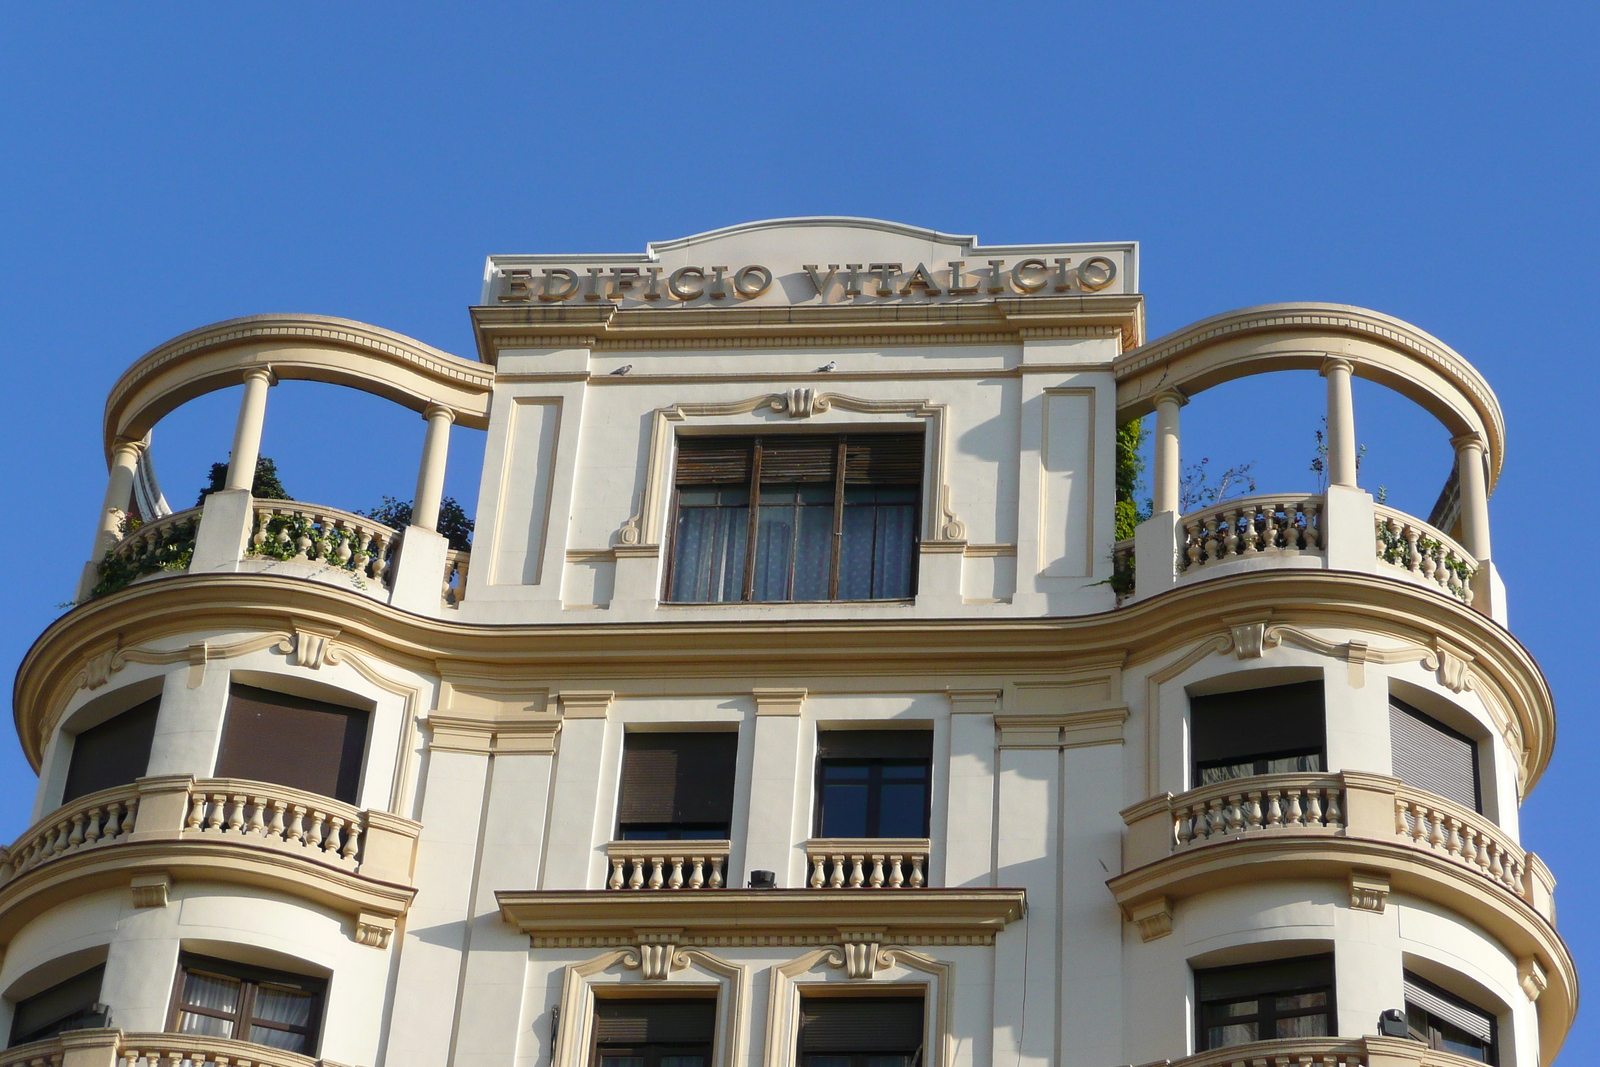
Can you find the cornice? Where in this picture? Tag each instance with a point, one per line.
(785, 650)
(605, 326)
(763, 916)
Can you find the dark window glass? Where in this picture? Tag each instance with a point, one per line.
(69, 1005)
(1277, 730)
(114, 753)
(1445, 1022)
(860, 1031)
(834, 518)
(218, 998)
(1265, 1001)
(676, 786)
(292, 741)
(654, 1033)
(873, 783)
(1430, 755)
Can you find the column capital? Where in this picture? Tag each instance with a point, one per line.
(1333, 363)
(1461, 442)
(1170, 396)
(433, 411)
(262, 373)
(135, 445)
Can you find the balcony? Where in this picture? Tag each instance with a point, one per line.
(219, 829)
(867, 862)
(114, 1048)
(667, 864)
(1322, 1052)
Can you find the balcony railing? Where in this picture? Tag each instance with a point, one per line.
(164, 545)
(1254, 527)
(306, 533)
(667, 864)
(454, 590)
(1422, 554)
(1322, 1052)
(103, 1048)
(867, 862)
(1350, 804)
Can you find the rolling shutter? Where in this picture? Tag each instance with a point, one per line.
(114, 753)
(861, 1024)
(1431, 756)
(1450, 1008)
(877, 459)
(1262, 979)
(875, 744)
(798, 459)
(292, 741)
(677, 778)
(714, 460)
(1255, 723)
(653, 1022)
(884, 459)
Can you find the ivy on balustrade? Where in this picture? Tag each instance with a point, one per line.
(1397, 550)
(295, 536)
(171, 550)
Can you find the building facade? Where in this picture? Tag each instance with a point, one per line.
(800, 702)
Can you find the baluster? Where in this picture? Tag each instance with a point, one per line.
(1413, 556)
(876, 880)
(1252, 814)
(1515, 873)
(1480, 855)
(131, 816)
(314, 834)
(1436, 834)
(1191, 537)
(636, 875)
(1497, 869)
(816, 871)
(1296, 813)
(1402, 826)
(75, 837)
(1212, 525)
(342, 532)
(1235, 813)
(114, 820)
(461, 579)
(257, 823)
(197, 811)
(380, 561)
(275, 828)
(857, 874)
(330, 843)
(302, 544)
(1313, 807)
(295, 832)
(1218, 823)
(352, 839)
(1182, 829)
(1311, 533)
(92, 833)
(63, 831)
(716, 873)
(1230, 542)
(697, 872)
(1274, 817)
(616, 873)
(676, 879)
(655, 872)
(896, 878)
(1333, 818)
(917, 859)
(259, 538)
(836, 879)
(235, 811)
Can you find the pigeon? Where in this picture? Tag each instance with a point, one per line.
(830, 365)
(624, 369)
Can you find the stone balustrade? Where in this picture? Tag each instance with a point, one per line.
(306, 533)
(454, 590)
(867, 862)
(1351, 805)
(1322, 1052)
(667, 864)
(1250, 527)
(177, 808)
(114, 1048)
(163, 545)
(1423, 554)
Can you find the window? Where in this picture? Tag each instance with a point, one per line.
(292, 741)
(217, 998)
(835, 518)
(69, 1005)
(1445, 1022)
(1431, 756)
(114, 753)
(873, 783)
(860, 1031)
(1276, 730)
(654, 1033)
(1265, 1001)
(676, 786)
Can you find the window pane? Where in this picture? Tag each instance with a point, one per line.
(1472, 1050)
(1300, 1001)
(1295, 764)
(713, 526)
(683, 1061)
(210, 991)
(844, 809)
(204, 1025)
(279, 1005)
(875, 556)
(1234, 1034)
(1304, 1026)
(888, 1061)
(774, 551)
(903, 811)
(608, 1059)
(284, 1039)
(813, 560)
(1213, 775)
(816, 1060)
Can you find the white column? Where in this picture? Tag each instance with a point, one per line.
(1341, 422)
(119, 495)
(1167, 454)
(430, 476)
(1474, 494)
(777, 782)
(247, 431)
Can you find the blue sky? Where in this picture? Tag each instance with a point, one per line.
(163, 167)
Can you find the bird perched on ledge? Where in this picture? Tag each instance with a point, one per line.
(624, 369)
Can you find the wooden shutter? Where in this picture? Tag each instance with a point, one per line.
(677, 778)
(113, 753)
(1262, 979)
(1449, 1007)
(1431, 756)
(1256, 722)
(651, 1022)
(875, 744)
(798, 459)
(714, 460)
(861, 1024)
(884, 459)
(292, 741)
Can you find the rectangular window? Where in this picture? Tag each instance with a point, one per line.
(860, 1031)
(69, 1005)
(796, 518)
(293, 741)
(654, 1033)
(219, 998)
(1445, 1022)
(676, 786)
(873, 783)
(1430, 755)
(1275, 730)
(114, 753)
(1265, 1001)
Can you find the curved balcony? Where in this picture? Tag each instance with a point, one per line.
(172, 827)
(1374, 834)
(114, 1048)
(1322, 1052)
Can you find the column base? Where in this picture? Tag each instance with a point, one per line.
(1155, 555)
(1489, 592)
(226, 522)
(419, 572)
(1348, 535)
